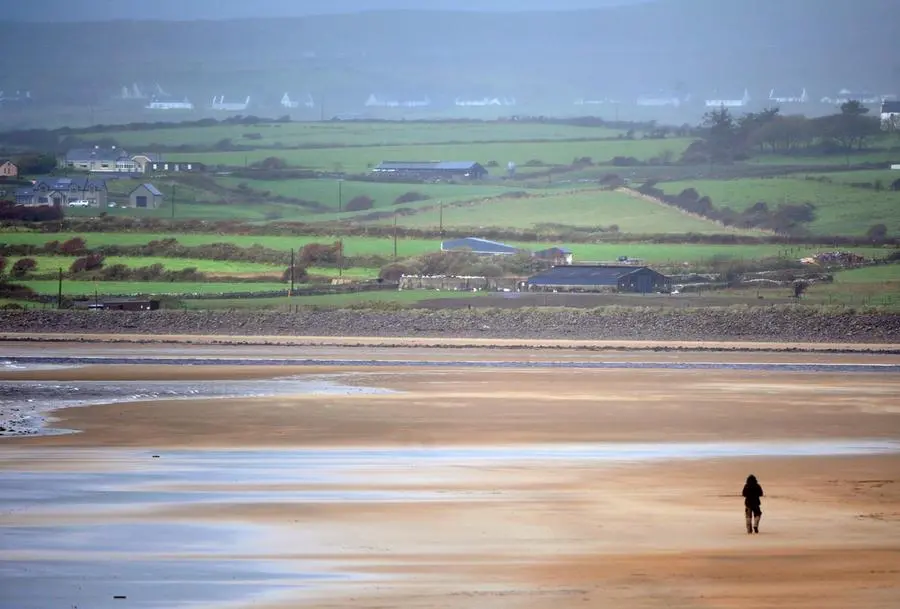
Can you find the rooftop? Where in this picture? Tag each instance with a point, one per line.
(890, 106)
(426, 165)
(582, 274)
(151, 188)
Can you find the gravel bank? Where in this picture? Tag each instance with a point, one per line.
(780, 324)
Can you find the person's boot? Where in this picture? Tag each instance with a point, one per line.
(756, 525)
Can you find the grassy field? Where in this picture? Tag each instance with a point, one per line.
(868, 176)
(406, 297)
(354, 134)
(877, 156)
(363, 158)
(47, 264)
(840, 209)
(86, 288)
(588, 208)
(653, 253)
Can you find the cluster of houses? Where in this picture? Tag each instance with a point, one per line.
(84, 191)
(564, 275)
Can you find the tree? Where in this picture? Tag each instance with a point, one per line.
(299, 272)
(36, 164)
(22, 267)
(851, 127)
(721, 135)
(73, 247)
(2, 264)
(91, 262)
(877, 232)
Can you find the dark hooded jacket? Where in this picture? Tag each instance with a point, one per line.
(752, 493)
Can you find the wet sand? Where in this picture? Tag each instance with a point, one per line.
(385, 500)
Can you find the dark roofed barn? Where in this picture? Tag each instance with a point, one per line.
(478, 246)
(469, 170)
(600, 278)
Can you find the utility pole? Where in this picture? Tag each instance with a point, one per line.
(395, 236)
(340, 195)
(441, 219)
(59, 291)
(174, 186)
(291, 292)
(341, 258)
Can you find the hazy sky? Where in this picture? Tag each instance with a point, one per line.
(94, 10)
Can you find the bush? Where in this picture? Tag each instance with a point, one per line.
(411, 197)
(22, 267)
(314, 254)
(76, 246)
(2, 264)
(91, 262)
(877, 232)
(300, 274)
(360, 203)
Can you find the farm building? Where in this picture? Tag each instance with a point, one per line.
(8, 169)
(556, 255)
(469, 170)
(119, 304)
(145, 196)
(479, 246)
(599, 278)
(459, 283)
(890, 115)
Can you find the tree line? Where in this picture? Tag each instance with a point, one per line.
(726, 138)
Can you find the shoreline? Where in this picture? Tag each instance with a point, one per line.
(509, 344)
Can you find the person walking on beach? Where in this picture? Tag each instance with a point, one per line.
(752, 494)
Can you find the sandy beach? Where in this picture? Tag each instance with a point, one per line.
(456, 486)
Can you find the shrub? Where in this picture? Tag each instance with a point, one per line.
(411, 197)
(252, 136)
(22, 267)
(393, 272)
(313, 254)
(877, 232)
(91, 262)
(2, 264)
(75, 246)
(360, 203)
(300, 274)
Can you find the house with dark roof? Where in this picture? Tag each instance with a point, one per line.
(556, 255)
(145, 196)
(599, 278)
(108, 160)
(8, 169)
(469, 170)
(482, 247)
(60, 192)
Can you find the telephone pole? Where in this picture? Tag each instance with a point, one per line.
(291, 292)
(59, 291)
(341, 258)
(395, 236)
(441, 219)
(174, 186)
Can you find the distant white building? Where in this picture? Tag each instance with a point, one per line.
(287, 102)
(168, 104)
(780, 99)
(729, 103)
(658, 100)
(863, 97)
(485, 101)
(890, 116)
(18, 96)
(219, 103)
(374, 101)
(595, 102)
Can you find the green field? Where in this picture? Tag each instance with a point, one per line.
(47, 264)
(840, 209)
(290, 135)
(583, 208)
(406, 297)
(361, 159)
(86, 288)
(654, 253)
(875, 156)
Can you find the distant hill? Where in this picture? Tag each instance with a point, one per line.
(702, 47)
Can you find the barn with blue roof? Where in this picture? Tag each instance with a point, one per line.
(479, 246)
(600, 278)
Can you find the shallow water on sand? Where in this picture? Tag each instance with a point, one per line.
(79, 527)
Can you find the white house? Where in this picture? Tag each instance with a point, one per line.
(863, 97)
(781, 99)
(158, 104)
(729, 103)
(658, 100)
(219, 103)
(485, 101)
(890, 116)
(374, 101)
